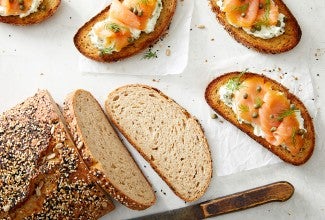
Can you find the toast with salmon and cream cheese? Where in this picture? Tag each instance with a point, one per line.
(266, 111)
(266, 26)
(27, 12)
(124, 28)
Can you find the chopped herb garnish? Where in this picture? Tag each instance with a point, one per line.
(113, 27)
(242, 8)
(258, 102)
(107, 50)
(243, 108)
(234, 83)
(149, 55)
(293, 136)
(265, 20)
(286, 113)
(131, 40)
(145, 2)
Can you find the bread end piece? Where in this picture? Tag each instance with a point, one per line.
(48, 178)
(104, 153)
(83, 42)
(51, 7)
(280, 44)
(212, 97)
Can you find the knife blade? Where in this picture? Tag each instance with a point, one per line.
(277, 191)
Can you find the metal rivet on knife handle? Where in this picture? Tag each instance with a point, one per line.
(278, 191)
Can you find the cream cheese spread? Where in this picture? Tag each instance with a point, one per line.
(33, 8)
(226, 96)
(153, 20)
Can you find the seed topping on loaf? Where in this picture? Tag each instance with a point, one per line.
(21, 136)
(41, 173)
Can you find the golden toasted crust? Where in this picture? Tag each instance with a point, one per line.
(280, 44)
(212, 97)
(84, 45)
(48, 179)
(37, 17)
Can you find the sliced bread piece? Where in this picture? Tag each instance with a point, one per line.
(46, 9)
(280, 44)
(83, 42)
(41, 173)
(212, 96)
(104, 153)
(166, 135)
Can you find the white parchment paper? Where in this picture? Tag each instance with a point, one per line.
(176, 40)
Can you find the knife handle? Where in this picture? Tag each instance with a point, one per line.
(278, 191)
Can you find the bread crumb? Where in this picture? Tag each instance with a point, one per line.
(200, 26)
(168, 52)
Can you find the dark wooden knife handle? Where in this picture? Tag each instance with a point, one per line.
(278, 191)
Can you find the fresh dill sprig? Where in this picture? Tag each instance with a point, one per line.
(150, 55)
(145, 2)
(242, 8)
(234, 83)
(258, 102)
(243, 108)
(293, 136)
(113, 27)
(286, 113)
(107, 50)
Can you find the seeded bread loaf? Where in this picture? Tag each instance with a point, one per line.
(45, 10)
(41, 173)
(84, 45)
(212, 96)
(104, 153)
(280, 44)
(166, 135)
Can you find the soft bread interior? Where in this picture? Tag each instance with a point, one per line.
(104, 145)
(166, 135)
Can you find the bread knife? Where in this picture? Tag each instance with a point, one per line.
(278, 191)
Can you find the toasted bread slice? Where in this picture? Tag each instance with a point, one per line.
(42, 175)
(212, 97)
(84, 45)
(275, 45)
(45, 10)
(104, 153)
(166, 135)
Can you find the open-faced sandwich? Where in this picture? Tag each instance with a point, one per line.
(266, 111)
(26, 12)
(267, 26)
(124, 28)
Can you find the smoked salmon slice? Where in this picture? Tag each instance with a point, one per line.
(256, 102)
(242, 13)
(268, 13)
(247, 13)
(123, 14)
(15, 7)
(287, 134)
(249, 99)
(142, 9)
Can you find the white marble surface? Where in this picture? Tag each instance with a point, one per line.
(43, 56)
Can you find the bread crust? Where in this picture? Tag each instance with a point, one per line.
(275, 45)
(51, 7)
(92, 163)
(212, 97)
(84, 45)
(139, 148)
(47, 177)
